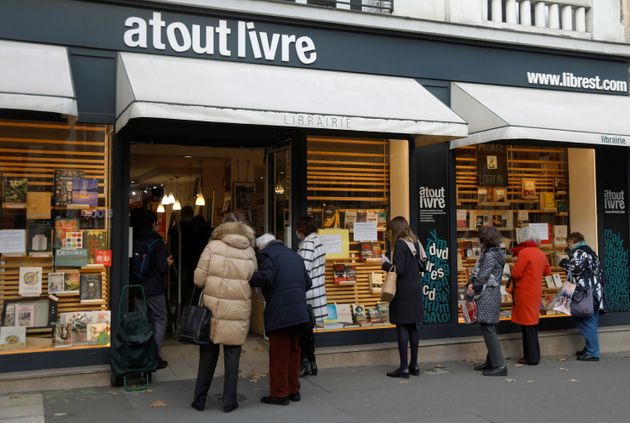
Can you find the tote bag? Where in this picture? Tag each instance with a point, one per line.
(194, 324)
(582, 302)
(389, 286)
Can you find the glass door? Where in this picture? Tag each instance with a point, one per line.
(279, 192)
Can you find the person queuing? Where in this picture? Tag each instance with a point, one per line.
(223, 273)
(585, 270)
(312, 252)
(485, 286)
(284, 281)
(530, 267)
(406, 308)
(149, 264)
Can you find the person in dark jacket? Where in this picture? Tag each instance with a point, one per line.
(485, 287)
(144, 223)
(284, 281)
(406, 309)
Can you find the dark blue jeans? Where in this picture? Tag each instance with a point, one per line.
(588, 328)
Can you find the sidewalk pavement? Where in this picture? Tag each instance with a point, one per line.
(559, 389)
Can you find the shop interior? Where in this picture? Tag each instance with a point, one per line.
(551, 189)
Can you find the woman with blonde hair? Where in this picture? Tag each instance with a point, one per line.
(526, 289)
(406, 308)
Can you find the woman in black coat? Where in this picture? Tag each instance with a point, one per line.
(406, 309)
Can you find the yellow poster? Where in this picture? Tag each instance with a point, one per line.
(336, 242)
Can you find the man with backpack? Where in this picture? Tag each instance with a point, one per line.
(149, 264)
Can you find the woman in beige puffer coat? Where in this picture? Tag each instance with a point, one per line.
(223, 272)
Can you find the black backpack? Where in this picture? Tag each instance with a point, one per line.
(141, 262)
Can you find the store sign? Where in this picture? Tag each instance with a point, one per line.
(208, 40)
(492, 165)
(570, 80)
(317, 121)
(614, 140)
(432, 203)
(614, 202)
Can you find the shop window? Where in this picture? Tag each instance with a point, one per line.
(55, 236)
(509, 187)
(349, 192)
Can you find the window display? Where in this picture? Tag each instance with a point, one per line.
(510, 187)
(54, 237)
(349, 194)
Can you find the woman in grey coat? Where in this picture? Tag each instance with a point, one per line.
(485, 287)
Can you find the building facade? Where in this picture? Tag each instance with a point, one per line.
(471, 112)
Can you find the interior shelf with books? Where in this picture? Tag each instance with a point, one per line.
(510, 187)
(348, 193)
(55, 236)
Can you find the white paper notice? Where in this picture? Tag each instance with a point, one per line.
(332, 243)
(365, 231)
(542, 229)
(13, 241)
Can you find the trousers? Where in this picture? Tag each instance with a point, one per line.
(495, 355)
(208, 357)
(307, 344)
(588, 328)
(284, 361)
(157, 314)
(531, 347)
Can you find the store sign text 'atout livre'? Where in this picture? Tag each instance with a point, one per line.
(211, 40)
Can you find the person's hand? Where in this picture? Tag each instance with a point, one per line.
(384, 259)
(563, 263)
(470, 291)
(170, 260)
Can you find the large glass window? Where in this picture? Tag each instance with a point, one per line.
(55, 236)
(509, 187)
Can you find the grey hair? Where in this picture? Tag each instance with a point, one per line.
(528, 234)
(263, 240)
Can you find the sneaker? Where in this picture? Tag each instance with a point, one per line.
(496, 371)
(275, 400)
(585, 357)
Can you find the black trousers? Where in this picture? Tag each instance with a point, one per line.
(307, 344)
(531, 348)
(208, 357)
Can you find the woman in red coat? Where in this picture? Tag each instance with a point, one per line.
(527, 275)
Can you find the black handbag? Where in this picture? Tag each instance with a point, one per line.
(311, 316)
(194, 324)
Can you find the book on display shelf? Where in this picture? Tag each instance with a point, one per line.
(14, 191)
(91, 288)
(63, 184)
(528, 189)
(30, 281)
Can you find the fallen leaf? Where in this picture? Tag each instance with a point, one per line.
(508, 380)
(403, 382)
(519, 365)
(60, 414)
(573, 380)
(564, 369)
(114, 393)
(159, 403)
(530, 381)
(562, 359)
(440, 366)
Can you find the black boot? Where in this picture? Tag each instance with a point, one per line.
(306, 368)
(313, 368)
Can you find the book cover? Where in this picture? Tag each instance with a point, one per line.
(361, 216)
(375, 280)
(560, 186)
(382, 219)
(8, 314)
(94, 240)
(349, 219)
(103, 258)
(30, 282)
(71, 258)
(39, 238)
(91, 291)
(500, 196)
(56, 282)
(71, 283)
(557, 280)
(344, 313)
(374, 315)
(522, 217)
(462, 219)
(12, 337)
(330, 217)
(14, 192)
(85, 192)
(502, 220)
(63, 185)
(62, 333)
(344, 274)
(73, 240)
(25, 315)
(370, 250)
(560, 233)
(359, 313)
(528, 189)
(549, 282)
(332, 314)
(482, 195)
(38, 205)
(98, 333)
(63, 225)
(562, 206)
(547, 201)
(371, 216)
(383, 308)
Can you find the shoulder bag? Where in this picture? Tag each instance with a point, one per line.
(194, 323)
(582, 302)
(389, 286)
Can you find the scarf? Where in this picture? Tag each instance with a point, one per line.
(520, 247)
(578, 245)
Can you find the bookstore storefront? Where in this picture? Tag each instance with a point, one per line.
(368, 140)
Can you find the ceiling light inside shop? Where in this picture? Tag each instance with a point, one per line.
(177, 206)
(161, 209)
